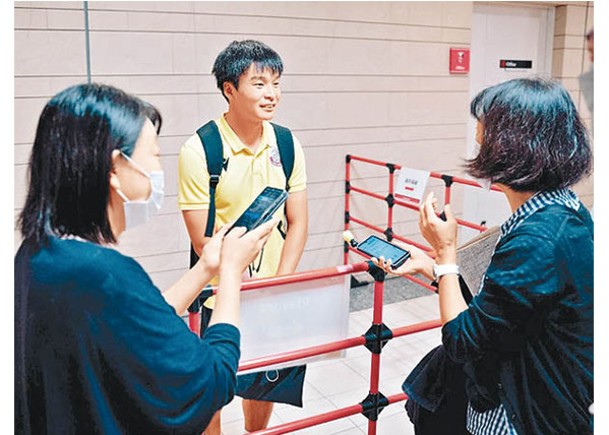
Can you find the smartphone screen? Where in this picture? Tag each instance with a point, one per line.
(262, 208)
(376, 247)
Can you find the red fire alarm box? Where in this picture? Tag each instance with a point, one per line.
(459, 60)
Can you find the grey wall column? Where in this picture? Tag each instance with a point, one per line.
(87, 44)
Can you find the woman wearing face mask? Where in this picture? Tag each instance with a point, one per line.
(525, 342)
(98, 348)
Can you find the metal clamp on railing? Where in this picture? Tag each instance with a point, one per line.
(388, 234)
(377, 337)
(390, 200)
(448, 180)
(376, 272)
(373, 404)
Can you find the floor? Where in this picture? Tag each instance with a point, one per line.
(334, 384)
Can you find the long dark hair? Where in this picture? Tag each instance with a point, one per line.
(534, 139)
(71, 160)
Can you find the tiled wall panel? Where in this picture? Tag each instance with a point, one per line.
(365, 78)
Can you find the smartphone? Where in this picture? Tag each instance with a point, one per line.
(262, 208)
(376, 247)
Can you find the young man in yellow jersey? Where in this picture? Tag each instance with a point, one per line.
(248, 73)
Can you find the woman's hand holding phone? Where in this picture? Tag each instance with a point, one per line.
(210, 256)
(234, 250)
(418, 263)
(240, 248)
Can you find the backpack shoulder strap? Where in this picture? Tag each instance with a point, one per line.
(285, 143)
(212, 146)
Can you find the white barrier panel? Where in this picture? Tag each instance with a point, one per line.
(294, 316)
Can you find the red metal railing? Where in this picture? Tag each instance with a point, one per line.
(392, 201)
(378, 334)
(194, 317)
(374, 339)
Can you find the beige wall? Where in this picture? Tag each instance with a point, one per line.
(366, 78)
(570, 59)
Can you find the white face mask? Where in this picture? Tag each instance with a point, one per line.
(140, 212)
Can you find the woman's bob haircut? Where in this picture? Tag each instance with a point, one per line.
(534, 139)
(71, 161)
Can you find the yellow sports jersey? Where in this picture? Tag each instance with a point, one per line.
(245, 174)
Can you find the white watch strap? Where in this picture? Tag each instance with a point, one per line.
(445, 269)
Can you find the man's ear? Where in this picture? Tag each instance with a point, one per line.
(229, 90)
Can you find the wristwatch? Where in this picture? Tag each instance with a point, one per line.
(444, 269)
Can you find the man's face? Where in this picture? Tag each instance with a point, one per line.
(257, 96)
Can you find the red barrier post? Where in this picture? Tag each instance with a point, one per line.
(375, 361)
(377, 319)
(194, 323)
(448, 182)
(390, 202)
(376, 337)
(347, 191)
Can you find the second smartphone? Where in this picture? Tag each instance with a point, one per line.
(262, 208)
(376, 247)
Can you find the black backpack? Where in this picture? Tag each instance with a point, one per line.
(212, 146)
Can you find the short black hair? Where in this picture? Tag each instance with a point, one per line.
(235, 59)
(534, 139)
(71, 161)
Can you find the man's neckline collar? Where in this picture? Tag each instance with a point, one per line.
(237, 145)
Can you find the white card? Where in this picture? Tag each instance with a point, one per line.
(411, 184)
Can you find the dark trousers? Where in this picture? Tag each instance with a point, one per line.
(450, 412)
(448, 419)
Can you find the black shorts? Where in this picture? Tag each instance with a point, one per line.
(279, 386)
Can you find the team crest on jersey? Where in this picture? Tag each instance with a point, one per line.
(275, 158)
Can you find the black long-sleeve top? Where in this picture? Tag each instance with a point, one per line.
(98, 350)
(534, 320)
